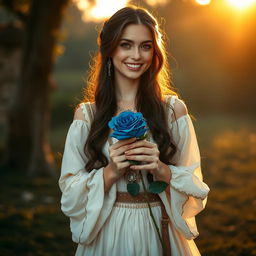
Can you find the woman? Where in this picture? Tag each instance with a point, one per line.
(130, 71)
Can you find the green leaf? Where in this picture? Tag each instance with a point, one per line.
(157, 187)
(133, 162)
(133, 188)
(142, 137)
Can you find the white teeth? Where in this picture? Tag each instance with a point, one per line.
(133, 65)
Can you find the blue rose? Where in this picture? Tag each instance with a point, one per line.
(128, 125)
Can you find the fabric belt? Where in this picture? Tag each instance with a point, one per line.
(124, 197)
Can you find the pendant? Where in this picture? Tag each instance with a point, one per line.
(132, 176)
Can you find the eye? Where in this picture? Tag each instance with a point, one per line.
(146, 46)
(125, 45)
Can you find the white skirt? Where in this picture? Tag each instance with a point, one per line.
(130, 231)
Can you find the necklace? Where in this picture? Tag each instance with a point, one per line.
(131, 176)
(120, 109)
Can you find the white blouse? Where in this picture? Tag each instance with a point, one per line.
(102, 227)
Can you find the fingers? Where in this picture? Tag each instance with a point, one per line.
(118, 165)
(120, 162)
(117, 152)
(123, 165)
(142, 143)
(121, 143)
(148, 167)
(143, 158)
(130, 149)
(120, 147)
(141, 150)
(118, 159)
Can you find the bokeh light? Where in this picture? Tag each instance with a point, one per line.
(203, 2)
(241, 4)
(156, 2)
(100, 9)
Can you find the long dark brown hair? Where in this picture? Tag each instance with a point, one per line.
(154, 84)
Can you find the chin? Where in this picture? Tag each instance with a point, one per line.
(134, 76)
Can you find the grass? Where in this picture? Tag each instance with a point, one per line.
(227, 226)
(30, 218)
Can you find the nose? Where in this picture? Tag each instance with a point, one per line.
(136, 53)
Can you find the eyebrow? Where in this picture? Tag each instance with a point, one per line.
(128, 40)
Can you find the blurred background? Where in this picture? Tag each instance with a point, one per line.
(45, 50)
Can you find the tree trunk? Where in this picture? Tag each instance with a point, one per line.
(28, 147)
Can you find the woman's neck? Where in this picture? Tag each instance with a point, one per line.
(126, 90)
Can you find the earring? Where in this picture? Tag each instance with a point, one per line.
(109, 67)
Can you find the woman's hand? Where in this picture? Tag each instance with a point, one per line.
(118, 161)
(145, 151)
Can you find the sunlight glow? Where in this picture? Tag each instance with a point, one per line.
(156, 2)
(203, 2)
(242, 4)
(100, 9)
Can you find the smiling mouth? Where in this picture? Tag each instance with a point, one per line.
(133, 66)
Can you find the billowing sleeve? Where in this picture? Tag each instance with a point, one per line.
(188, 192)
(83, 199)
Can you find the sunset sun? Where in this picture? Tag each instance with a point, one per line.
(203, 2)
(100, 9)
(242, 4)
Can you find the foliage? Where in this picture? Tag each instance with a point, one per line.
(157, 187)
(20, 8)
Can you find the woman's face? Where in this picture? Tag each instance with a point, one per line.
(134, 52)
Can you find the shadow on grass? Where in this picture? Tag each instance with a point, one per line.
(227, 225)
(30, 218)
